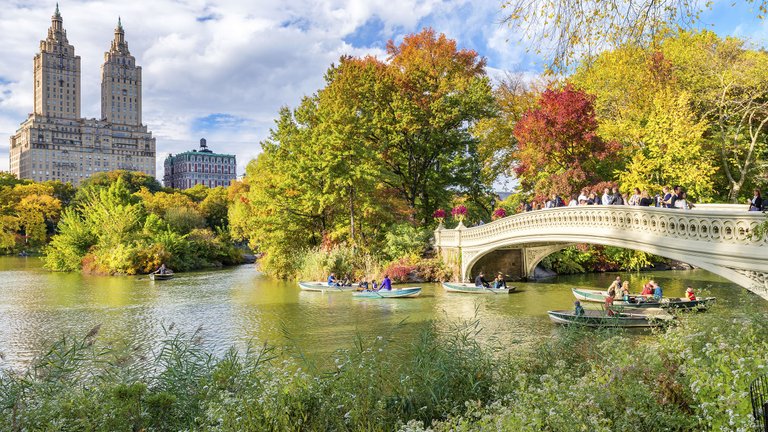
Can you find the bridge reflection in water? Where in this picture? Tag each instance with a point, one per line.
(714, 237)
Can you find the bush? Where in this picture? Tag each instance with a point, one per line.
(405, 239)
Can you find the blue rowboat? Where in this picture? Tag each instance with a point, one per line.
(472, 289)
(324, 287)
(600, 318)
(395, 293)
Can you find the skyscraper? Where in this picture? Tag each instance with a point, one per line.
(55, 143)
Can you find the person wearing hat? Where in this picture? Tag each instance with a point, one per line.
(578, 310)
(689, 293)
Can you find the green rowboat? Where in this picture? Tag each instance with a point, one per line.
(473, 289)
(324, 287)
(642, 302)
(600, 318)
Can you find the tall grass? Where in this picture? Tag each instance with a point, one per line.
(691, 377)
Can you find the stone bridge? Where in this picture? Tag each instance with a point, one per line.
(715, 237)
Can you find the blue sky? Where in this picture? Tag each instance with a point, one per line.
(221, 69)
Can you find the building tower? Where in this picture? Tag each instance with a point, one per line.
(57, 74)
(120, 83)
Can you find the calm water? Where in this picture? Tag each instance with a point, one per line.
(238, 305)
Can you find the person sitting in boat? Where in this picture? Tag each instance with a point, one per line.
(615, 285)
(690, 294)
(374, 285)
(500, 283)
(578, 310)
(363, 285)
(332, 280)
(625, 291)
(346, 281)
(386, 284)
(657, 292)
(612, 291)
(481, 282)
(647, 289)
(162, 269)
(609, 305)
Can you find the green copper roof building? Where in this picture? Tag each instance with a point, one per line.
(199, 166)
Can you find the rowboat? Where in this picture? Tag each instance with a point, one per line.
(323, 287)
(600, 318)
(643, 302)
(473, 289)
(160, 276)
(395, 293)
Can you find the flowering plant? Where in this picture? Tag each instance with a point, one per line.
(459, 212)
(439, 215)
(499, 213)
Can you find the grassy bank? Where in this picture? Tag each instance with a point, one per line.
(694, 376)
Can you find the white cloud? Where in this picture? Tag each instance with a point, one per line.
(241, 58)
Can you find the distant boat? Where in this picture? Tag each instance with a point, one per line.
(600, 318)
(471, 288)
(160, 276)
(395, 293)
(322, 287)
(642, 302)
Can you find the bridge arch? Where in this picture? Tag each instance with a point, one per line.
(714, 238)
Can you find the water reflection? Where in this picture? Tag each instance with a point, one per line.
(238, 305)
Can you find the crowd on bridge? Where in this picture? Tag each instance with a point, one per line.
(672, 198)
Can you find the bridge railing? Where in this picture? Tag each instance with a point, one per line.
(716, 224)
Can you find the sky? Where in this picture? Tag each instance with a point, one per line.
(221, 69)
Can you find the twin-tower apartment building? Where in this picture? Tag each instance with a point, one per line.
(55, 142)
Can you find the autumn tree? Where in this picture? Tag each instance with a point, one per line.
(567, 31)
(558, 146)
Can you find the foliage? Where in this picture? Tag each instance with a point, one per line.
(415, 269)
(586, 258)
(405, 240)
(693, 376)
(381, 144)
(28, 212)
(673, 153)
(112, 230)
(558, 147)
(568, 30)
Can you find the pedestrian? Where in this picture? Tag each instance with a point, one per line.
(607, 198)
(756, 203)
(583, 195)
(617, 198)
(573, 202)
(677, 193)
(592, 199)
(635, 198)
(645, 199)
(665, 197)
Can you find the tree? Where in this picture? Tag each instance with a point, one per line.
(558, 147)
(730, 86)
(513, 96)
(569, 30)
(426, 142)
(673, 151)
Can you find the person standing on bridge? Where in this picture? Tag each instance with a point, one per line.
(607, 197)
(756, 203)
(634, 200)
(617, 198)
(645, 200)
(665, 198)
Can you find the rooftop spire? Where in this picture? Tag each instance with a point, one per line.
(119, 23)
(57, 10)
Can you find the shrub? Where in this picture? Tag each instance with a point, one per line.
(405, 240)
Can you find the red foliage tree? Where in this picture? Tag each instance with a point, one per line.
(558, 147)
